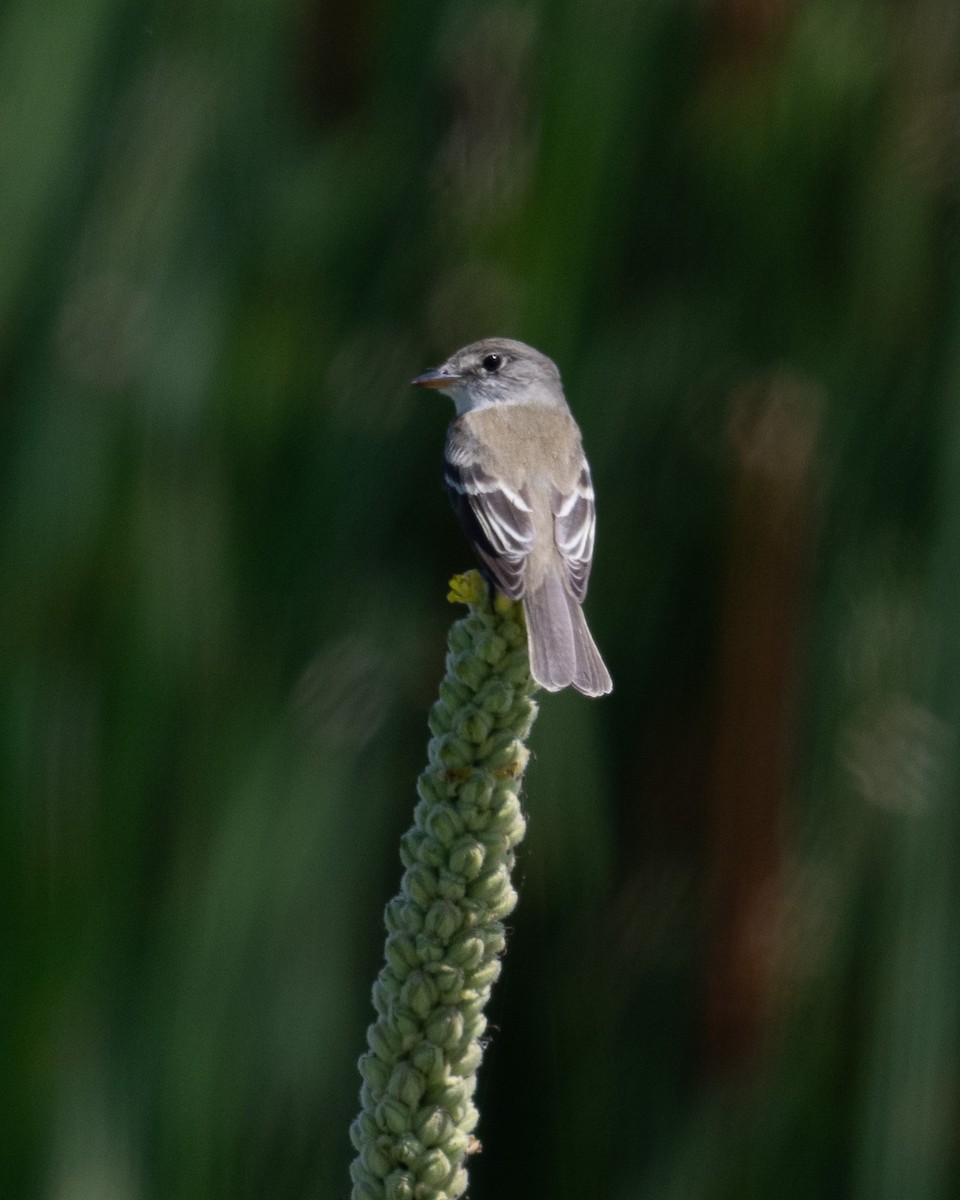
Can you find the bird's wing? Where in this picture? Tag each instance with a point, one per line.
(496, 517)
(575, 523)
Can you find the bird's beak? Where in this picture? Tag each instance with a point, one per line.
(439, 378)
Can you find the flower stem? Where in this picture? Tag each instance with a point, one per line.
(445, 932)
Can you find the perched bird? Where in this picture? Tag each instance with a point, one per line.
(516, 474)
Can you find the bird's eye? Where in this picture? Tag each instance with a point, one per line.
(493, 362)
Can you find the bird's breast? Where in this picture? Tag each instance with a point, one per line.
(527, 444)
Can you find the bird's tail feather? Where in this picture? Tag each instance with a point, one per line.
(562, 652)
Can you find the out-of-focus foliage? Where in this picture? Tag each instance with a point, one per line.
(229, 235)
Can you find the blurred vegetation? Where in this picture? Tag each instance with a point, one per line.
(229, 235)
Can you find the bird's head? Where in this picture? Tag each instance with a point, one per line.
(496, 371)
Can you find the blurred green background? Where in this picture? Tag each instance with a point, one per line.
(229, 236)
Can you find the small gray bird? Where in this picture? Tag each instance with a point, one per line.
(519, 482)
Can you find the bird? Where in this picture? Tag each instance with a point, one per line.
(515, 471)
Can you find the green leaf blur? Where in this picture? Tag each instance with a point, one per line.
(229, 236)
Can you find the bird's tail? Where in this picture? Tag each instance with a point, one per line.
(562, 652)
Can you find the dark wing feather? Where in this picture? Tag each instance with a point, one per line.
(575, 524)
(496, 519)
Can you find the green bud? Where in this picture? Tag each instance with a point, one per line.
(403, 917)
(460, 637)
(478, 624)
(518, 831)
(455, 1144)
(433, 1125)
(366, 1187)
(472, 671)
(442, 919)
(493, 648)
(384, 1040)
(407, 1024)
(469, 1062)
(453, 695)
(453, 751)
(474, 724)
(401, 953)
(376, 1158)
(428, 1060)
(420, 884)
(375, 1071)
(502, 749)
(454, 1097)
(408, 1151)
(477, 790)
(496, 696)
(393, 914)
(392, 1115)
(435, 1168)
(432, 789)
(364, 1128)
(399, 1186)
(474, 1028)
(430, 948)
(523, 718)
(506, 807)
(408, 847)
(445, 825)
(433, 852)
(473, 1003)
(515, 668)
(419, 993)
(494, 939)
(406, 1084)
(506, 903)
(449, 980)
(451, 887)
(484, 976)
(467, 951)
(445, 1027)
(489, 889)
(438, 721)
(466, 857)
(382, 997)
